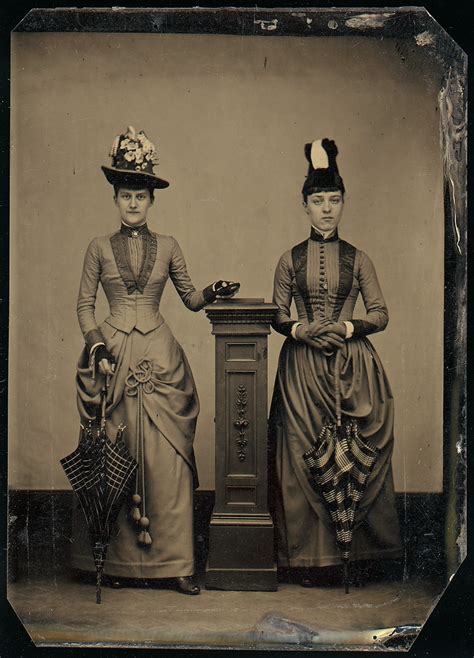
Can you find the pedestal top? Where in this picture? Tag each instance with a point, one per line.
(241, 310)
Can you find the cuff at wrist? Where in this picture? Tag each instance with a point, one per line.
(294, 328)
(349, 329)
(209, 294)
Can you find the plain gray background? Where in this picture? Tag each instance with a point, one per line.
(229, 116)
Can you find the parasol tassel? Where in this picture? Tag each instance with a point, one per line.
(147, 540)
(144, 537)
(136, 514)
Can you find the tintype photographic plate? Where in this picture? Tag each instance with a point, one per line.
(317, 158)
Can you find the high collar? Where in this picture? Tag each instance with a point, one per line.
(133, 231)
(319, 237)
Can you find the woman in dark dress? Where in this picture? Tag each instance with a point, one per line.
(151, 391)
(327, 364)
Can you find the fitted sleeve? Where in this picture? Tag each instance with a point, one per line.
(282, 297)
(376, 318)
(88, 294)
(192, 298)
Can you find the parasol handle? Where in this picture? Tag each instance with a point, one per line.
(345, 565)
(103, 400)
(337, 386)
(98, 590)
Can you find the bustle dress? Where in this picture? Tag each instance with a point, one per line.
(324, 279)
(152, 393)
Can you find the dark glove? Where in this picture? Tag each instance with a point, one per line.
(103, 353)
(338, 328)
(220, 289)
(328, 341)
(324, 327)
(317, 327)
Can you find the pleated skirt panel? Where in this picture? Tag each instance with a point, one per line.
(153, 394)
(303, 401)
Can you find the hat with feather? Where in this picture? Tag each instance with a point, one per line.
(323, 173)
(133, 158)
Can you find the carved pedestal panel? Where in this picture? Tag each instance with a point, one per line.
(241, 529)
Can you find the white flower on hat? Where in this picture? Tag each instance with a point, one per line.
(152, 157)
(147, 146)
(135, 148)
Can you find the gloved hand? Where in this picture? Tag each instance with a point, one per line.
(220, 288)
(105, 360)
(317, 327)
(327, 342)
(338, 328)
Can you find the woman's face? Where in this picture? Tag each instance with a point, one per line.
(324, 209)
(133, 205)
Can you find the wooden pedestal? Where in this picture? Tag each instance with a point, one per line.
(241, 554)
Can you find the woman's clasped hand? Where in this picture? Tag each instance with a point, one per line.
(322, 334)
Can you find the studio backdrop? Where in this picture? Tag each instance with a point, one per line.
(229, 116)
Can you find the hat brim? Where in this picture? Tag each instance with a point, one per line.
(130, 177)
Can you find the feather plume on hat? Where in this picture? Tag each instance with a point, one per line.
(114, 147)
(323, 172)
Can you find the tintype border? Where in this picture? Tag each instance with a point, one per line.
(404, 24)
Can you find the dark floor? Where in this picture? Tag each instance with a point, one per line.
(57, 610)
(61, 610)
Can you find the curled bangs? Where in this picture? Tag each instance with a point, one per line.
(319, 190)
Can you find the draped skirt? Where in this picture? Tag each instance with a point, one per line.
(152, 393)
(304, 400)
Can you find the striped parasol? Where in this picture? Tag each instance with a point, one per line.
(340, 463)
(100, 473)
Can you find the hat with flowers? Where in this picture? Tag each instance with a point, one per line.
(133, 158)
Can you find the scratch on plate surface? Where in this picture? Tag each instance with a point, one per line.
(365, 21)
(272, 626)
(399, 636)
(425, 38)
(453, 143)
(461, 541)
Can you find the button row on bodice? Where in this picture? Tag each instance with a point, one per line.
(323, 285)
